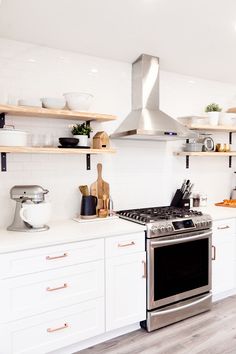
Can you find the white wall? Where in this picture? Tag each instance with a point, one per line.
(141, 173)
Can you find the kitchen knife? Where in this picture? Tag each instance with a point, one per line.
(183, 186)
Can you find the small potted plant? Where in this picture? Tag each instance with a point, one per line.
(213, 110)
(81, 132)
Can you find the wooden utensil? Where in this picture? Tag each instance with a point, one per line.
(100, 187)
(84, 190)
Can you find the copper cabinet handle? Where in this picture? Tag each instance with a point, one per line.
(50, 330)
(132, 243)
(64, 286)
(49, 258)
(223, 227)
(213, 257)
(144, 269)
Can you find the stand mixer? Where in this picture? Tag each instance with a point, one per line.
(24, 194)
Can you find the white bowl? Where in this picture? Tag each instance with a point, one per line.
(78, 101)
(227, 118)
(12, 137)
(32, 102)
(37, 215)
(54, 102)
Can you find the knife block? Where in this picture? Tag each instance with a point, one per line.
(177, 198)
(184, 203)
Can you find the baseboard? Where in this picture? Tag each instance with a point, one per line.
(223, 295)
(96, 340)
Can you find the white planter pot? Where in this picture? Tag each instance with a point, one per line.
(213, 118)
(12, 137)
(83, 139)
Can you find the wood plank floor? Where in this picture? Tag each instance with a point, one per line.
(213, 332)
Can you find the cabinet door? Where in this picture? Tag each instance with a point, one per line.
(224, 256)
(125, 290)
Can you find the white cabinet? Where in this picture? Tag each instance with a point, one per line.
(53, 297)
(125, 281)
(224, 256)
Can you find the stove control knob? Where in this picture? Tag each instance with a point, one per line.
(169, 228)
(162, 228)
(154, 229)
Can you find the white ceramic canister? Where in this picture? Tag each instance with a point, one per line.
(13, 137)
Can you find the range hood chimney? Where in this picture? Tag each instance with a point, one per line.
(146, 121)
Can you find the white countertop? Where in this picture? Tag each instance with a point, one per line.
(72, 231)
(64, 232)
(218, 212)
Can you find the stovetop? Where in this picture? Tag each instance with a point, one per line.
(162, 221)
(146, 215)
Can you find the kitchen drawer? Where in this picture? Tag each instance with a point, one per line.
(125, 244)
(46, 258)
(226, 228)
(53, 330)
(35, 293)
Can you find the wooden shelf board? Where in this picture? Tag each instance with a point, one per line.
(54, 113)
(52, 150)
(210, 153)
(231, 110)
(222, 128)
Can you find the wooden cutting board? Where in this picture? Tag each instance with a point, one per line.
(100, 187)
(225, 205)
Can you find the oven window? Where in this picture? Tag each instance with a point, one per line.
(180, 267)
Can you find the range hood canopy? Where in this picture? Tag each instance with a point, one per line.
(146, 121)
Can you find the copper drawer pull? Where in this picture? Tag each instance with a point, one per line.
(58, 288)
(126, 244)
(144, 269)
(50, 330)
(223, 227)
(213, 257)
(49, 258)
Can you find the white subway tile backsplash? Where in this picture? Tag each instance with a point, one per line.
(140, 173)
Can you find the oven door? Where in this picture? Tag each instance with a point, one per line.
(178, 267)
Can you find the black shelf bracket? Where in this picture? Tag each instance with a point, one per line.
(230, 142)
(2, 119)
(88, 156)
(88, 161)
(187, 161)
(3, 161)
(3, 154)
(88, 125)
(187, 156)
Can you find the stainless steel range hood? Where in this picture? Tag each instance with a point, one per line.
(146, 121)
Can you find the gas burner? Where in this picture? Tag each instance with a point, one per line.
(158, 213)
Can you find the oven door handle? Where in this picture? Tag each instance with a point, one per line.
(178, 240)
(181, 307)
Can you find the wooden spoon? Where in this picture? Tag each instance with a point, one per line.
(84, 190)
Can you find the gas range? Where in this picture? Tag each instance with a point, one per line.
(162, 221)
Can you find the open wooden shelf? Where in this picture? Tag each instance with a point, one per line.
(209, 153)
(52, 150)
(54, 113)
(231, 110)
(219, 128)
(50, 113)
